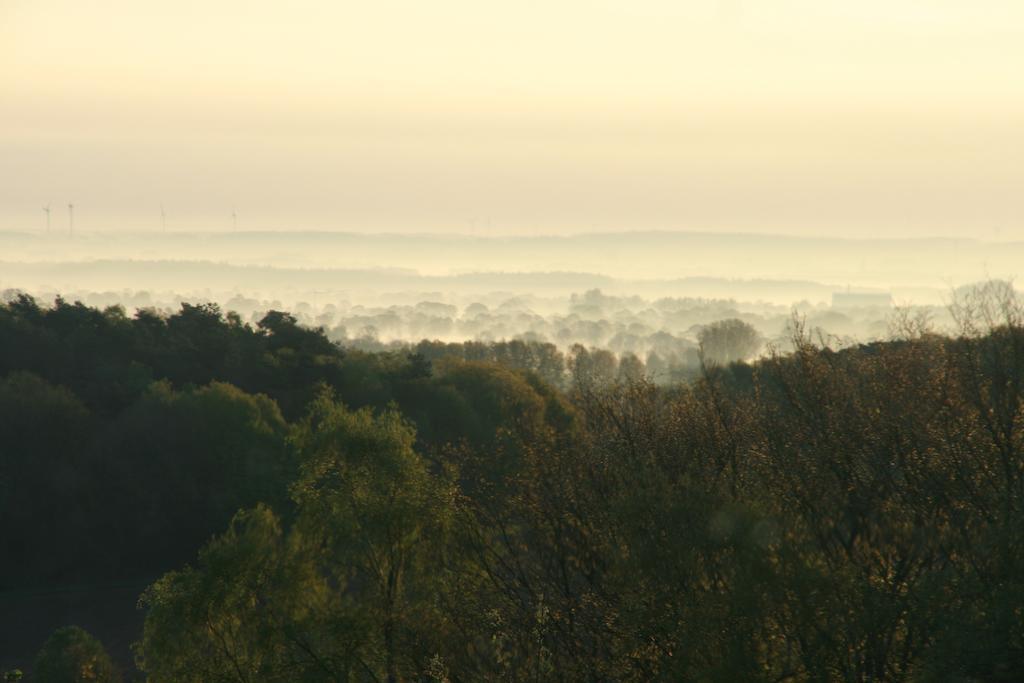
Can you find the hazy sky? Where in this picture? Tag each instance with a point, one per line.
(869, 117)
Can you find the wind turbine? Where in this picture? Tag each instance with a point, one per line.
(46, 210)
(71, 218)
(234, 219)
(163, 218)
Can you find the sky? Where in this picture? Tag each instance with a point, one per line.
(812, 117)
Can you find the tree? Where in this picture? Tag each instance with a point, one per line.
(728, 341)
(223, 620)
(592, 368)
(381, 516)
(43, 484)
(283, 331)
(631, 368)
(178, 464)
(350, 589)
(71, 655)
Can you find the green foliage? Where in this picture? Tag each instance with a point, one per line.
(41, 467)
(83, 497)
(346, 592)
(758, 525)
(108, 359)
(73, 656)
(222, 620)
(542, 359)
(127, 442)
(380, 519)
(186, 461)
(820, 515)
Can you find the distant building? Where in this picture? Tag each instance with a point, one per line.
(861, 300)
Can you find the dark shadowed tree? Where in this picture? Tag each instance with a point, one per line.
(71, 655)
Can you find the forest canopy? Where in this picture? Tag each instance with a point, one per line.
(508, 511)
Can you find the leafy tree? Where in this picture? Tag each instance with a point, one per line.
(349, 591)
(382, 516)
(727, 341)
(283, 331)
(224, 619)
(180, 463)
(43, 481)
(592, 368)
(819, 514)
(631, 368)
(73, 656)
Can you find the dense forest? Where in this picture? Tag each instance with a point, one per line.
(663, 332)
(507, 511)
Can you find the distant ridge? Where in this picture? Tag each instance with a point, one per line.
(919, 265)
(209, 275)
(701, 235)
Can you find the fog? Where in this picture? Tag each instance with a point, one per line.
(814, 117)
(352, 162)
(640, 293)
